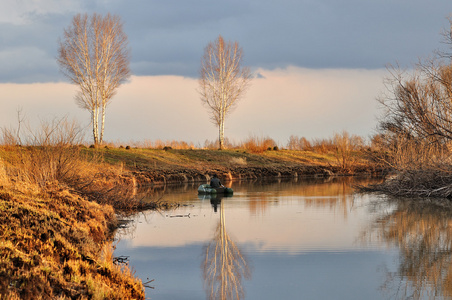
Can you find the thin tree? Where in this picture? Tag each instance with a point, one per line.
(223, 80)
(94, 55)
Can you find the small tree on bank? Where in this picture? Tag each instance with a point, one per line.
(94, 55)
(223, 80)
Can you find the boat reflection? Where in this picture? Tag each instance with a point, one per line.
(423, 233)
(224, 267)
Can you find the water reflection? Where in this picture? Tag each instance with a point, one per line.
(422, 232)
(335, 193)
(305, 232)
(224, 267)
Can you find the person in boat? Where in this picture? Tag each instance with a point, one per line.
(215, 182)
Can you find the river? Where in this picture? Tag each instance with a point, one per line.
(291, 239)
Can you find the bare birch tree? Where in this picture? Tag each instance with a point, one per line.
(223, 80)
(94, 55)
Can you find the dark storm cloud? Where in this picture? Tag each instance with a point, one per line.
(168, 37)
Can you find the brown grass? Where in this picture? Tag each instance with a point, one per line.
(81, 171)
(51, 247)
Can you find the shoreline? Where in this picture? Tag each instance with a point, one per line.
(150, 167)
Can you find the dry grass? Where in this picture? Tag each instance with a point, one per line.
(238, 161)
(81, 171)
(51, 245)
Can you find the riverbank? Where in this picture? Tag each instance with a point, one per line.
(56, 245)
(158, 167)
(59, 208)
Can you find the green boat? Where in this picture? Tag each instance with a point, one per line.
(206, 189)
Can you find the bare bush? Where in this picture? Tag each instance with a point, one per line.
(51, 159)
(323, 145)
(405, 153)
(345, 147)
(49, 153)
(216, 144)
(298, 143)
(256, 144)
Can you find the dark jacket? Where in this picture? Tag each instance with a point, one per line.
(215, 182)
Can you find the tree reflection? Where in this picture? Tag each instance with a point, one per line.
(224, 266)
(423, 233)
(334, 193)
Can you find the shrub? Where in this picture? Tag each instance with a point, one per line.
(298, 143)
(258, 145)
(345, 145)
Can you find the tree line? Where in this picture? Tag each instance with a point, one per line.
(93, 53)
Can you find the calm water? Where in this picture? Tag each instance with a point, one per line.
(305, 239)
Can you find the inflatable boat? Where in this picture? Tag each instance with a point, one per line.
(206, 189)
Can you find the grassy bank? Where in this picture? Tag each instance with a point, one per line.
(58, 212)
(55, 245)
(59, 206)
(152, 166)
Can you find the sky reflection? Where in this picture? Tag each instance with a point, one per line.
(302, 219)
(302, 238)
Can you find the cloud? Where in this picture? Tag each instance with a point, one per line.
(22, 12)
(168, 37)
(283, 102)
(308, 102)
(27, 64)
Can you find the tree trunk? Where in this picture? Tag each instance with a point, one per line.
(221, 135)
(102, 126)
(221, 131)
(95, 133)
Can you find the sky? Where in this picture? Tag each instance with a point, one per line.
(318, 65)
